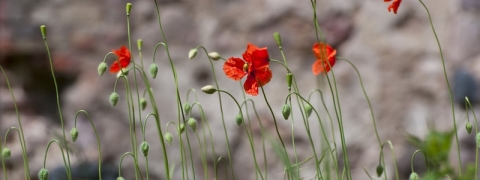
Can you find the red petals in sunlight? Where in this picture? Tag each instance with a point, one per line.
(394, 6)
(323, 52)
(123, 56)
(254, 64)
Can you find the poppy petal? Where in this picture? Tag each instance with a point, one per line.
(251, 86)
(319, 49)
(247, 55)
(263, 76)
(114, 68)
(260, 58)
(233, 68)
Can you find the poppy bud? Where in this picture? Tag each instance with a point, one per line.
(468, 127)
(143, 103)
(192, 123)
(181, 128)
(413, 176)
(123, 72)
(168, 138)
(128, 8)
(286, 111)
(187, 108)
(379, 170)
(289, 80)
(102, 67)
(209, 89)
(192, 53)
(43, 174)
(239, 119)
(43, 30)
(214, 55)
(74, 134)
(308, 109)
(6, 153)
(144, 147)
(477, 139)
(120, 178)
(139, 44)
(278, 40)
(114, 98)
(153, 70)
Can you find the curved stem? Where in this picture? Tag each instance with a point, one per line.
(98, 141)
(413, 156)
(121, 160)
(476, 132)
(63, 155)
(448, 86)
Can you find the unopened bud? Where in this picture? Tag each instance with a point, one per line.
(278, 39)
(308, 110)
(192, 123)
(43, 174)
(192, 53)
(477, 139)
(214, 55)
(74, 134)
(468, 127)
(239, 119)
(379, 170)
(144, 147)
(288, 77)
(128, 8)
(168, 138)
(413, 176)
(181, 128)
(139, 44)
(187, 108)
(6, 153)
(143, 103)
(102, 67)
(286, 111)
(114, 98)
(209, 89)
(153, 70)
(43, 30)
(120, 178)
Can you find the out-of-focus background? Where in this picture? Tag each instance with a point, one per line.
(396, 55)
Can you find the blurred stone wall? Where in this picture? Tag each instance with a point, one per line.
(396, 55)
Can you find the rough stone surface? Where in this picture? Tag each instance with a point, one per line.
(397, 56)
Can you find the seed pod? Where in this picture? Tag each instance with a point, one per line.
(286, 111)
(74, 134)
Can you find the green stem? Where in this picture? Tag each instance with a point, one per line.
(413, 156)
(63, 156)
(476, 132)
(121, 160)
(448, 86)
(98, 141)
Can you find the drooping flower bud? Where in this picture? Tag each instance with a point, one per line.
(379, 170)
(181, 128)
(153, 70)
(209, 89)
(477, 139)
(214, 55)
(239, 119)
(43, 30)
(120, 178)
(144, 147)
(286, 111)
(114, 98)
(414, 176)
(288, 77)
(143, 103)
(468, 127)
(308, 110)
(74, 134)
(278, 40)
(192, 123)
(187, 108)
(192, 53)
(43, 174)
(6, 153)
(168, 138)
(102, 67)
(128, 8)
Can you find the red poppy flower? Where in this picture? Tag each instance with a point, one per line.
(323, 52)
(123, 56)
(254, 64)
(394, 6)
